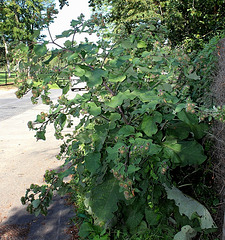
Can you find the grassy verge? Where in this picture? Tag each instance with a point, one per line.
(3, 78)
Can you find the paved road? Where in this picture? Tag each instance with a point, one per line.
(11, 106)
(23, 161)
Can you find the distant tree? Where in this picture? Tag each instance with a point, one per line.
(22, 21)
(126, 15)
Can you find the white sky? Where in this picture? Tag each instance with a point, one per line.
(62, 22)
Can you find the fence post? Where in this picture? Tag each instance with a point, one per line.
(6, 77)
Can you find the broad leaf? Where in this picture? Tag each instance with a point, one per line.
(132, 169)
(79, 72)
(157, 58)
(126, 131)
(36, 203)
(92, 162)
(199, 129)
(149, 125)
(135, 214)
(180, 107)
(96, 77)
(184, 152)
(40, 50)
(85, 229)
(74, 23)
(192, 76)
(189, 206)
(141, 44)
(104, 199)
(152, 218)
(188, 118)
(186, 233)
(120, 97)
(117, 78)
(94, 109)
(113, 151)
(178, 130)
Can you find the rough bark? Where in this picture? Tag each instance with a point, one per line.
(219, 128)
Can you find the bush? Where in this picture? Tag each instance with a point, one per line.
(138, 127)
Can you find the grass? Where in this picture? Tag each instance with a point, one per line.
(3, 78)
(13, 75)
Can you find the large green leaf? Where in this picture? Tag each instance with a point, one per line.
(152, 218)
(187, 117)
(92, 162)
(178, 130)
(113, 151)
(189, 206)
(126, 131)
(149, 125)
(99, 136)
(120, 97)
(85, 229)
(104, 199)
(134, 213)
(192, 76)
(184, 152)
(141, 44)
(96, 77)
(94, 109)
(199, 129)
(79, 72)
(40, 50)
(36, 203)
(117, 78)
(134, 219)
(153, 148)
(149, 96)
(157, 58)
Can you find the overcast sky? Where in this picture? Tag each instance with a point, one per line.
(62, 22)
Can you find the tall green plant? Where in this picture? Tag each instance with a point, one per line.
(135, 128)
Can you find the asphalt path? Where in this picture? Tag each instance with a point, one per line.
(23, 161)
(11, 106)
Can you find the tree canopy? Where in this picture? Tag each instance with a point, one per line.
(20, 19)
(185, 19)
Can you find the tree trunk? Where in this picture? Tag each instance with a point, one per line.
(6, 56)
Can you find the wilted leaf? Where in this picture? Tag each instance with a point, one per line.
(189, 206)
(186, 233)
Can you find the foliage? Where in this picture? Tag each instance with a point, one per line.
(21, 22)
(20, 19)
(137, 127)
(188, 21)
